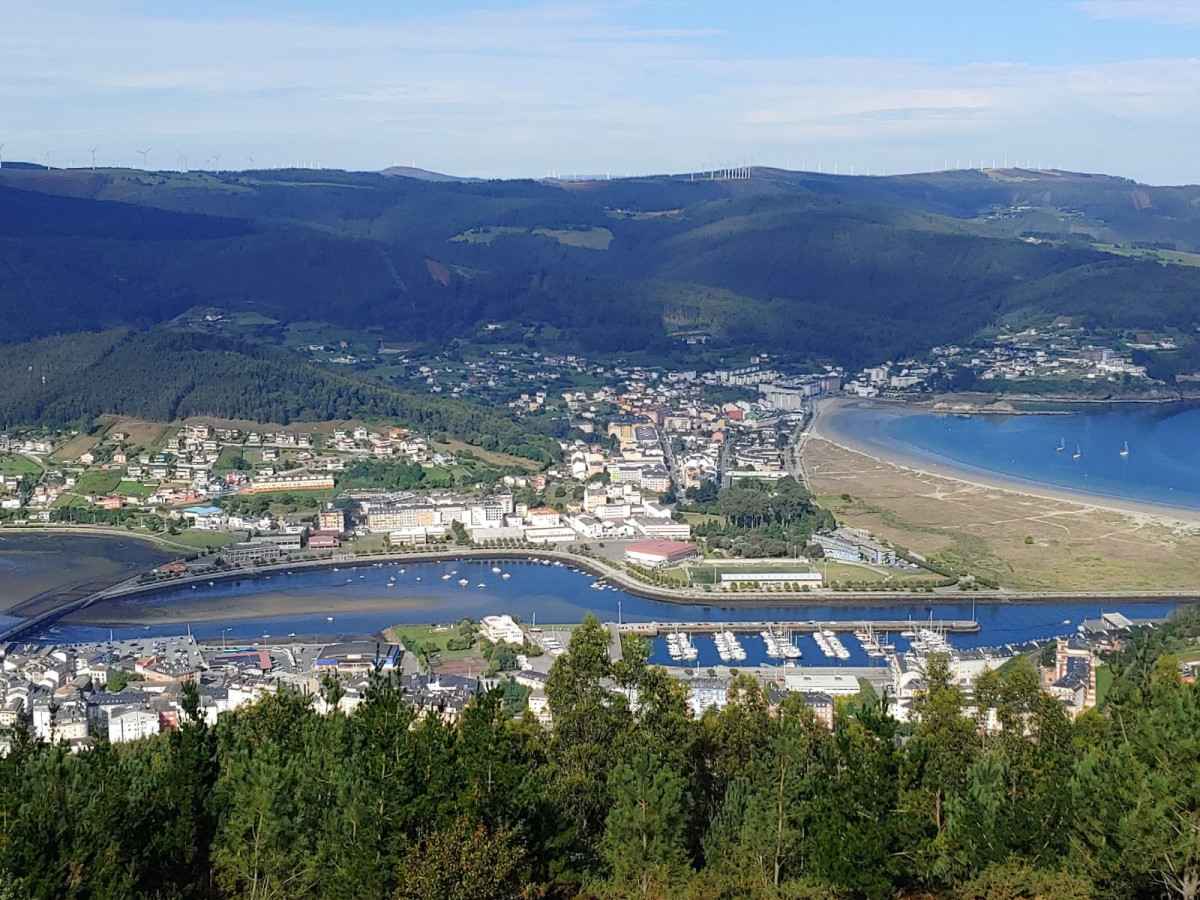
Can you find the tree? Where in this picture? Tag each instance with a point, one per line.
(643, 843)
(591, 726)
(464, 862)
(939, 758)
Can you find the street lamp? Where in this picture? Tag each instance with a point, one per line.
(223, 630)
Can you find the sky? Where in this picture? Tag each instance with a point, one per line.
(501, 88)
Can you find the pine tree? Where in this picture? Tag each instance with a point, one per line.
(644, 832)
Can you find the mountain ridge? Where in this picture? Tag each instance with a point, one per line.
(820, 267)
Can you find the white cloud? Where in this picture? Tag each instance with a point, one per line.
(1164, 12)
(563, 86)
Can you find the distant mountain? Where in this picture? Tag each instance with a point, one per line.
(845, 269)
(423, 174)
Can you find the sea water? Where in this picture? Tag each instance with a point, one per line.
(1161, 467)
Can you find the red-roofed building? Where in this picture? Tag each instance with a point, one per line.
(660, 553)
(322, 540)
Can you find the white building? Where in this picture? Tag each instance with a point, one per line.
(559, 535)
(497, 629)
(543, 517)
(131, 724)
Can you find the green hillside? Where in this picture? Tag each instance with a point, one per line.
(164, 375)
(812, 267)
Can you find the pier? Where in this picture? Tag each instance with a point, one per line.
(845, 626)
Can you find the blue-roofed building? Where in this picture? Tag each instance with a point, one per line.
(205, 517)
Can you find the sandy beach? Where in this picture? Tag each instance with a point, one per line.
(1026, 537)
(825, 427)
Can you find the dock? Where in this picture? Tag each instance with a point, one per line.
(843, 626)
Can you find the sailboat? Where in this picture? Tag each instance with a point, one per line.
(1125, 449)
(1062, 445)
(1078, 452)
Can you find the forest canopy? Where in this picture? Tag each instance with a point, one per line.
(630, 796)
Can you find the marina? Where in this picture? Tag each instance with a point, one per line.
(383, 594)
(830, 628)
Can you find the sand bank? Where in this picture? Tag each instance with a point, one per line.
(825, 426)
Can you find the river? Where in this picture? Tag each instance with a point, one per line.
(365, 599)
(36, 564)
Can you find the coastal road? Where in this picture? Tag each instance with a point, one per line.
(793, 455)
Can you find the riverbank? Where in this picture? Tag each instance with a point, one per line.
(39, 567)
(1028, 538)
(131, 604)
(127, 606)
(1007, 404)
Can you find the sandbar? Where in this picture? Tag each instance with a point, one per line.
(1026, 537)
(830, 412)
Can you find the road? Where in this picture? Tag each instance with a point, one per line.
(793, 454)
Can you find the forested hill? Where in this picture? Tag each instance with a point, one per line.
(163, 375)
(630, 796)
(844, 269)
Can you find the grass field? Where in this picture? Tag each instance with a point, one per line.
(368, 543)
(15, 464)
(135, 489)
(430, 634)
(227, 458)
(147, 435)
(1104, 680)
(980, 529)
(844, 571)
(487, 233)
(695, 518)
(97, 481)
(1172, 257)
(202, 540)
(77, 446)
(589, 238)
(503, 460)
(66, 499)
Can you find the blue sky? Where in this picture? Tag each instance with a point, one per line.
(501, 89)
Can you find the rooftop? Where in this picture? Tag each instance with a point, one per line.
(663, 547)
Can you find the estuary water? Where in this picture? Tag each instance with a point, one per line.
(365, 599)
(1162, 465)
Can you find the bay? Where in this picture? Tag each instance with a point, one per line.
(1162, 466)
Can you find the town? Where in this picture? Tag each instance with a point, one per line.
(647, 457)
(122, 690)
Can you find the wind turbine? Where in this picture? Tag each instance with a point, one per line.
(217, 161)
(182, 161)
(250, 159)
(93, 152)
(1, 156)
(145, 153)
(47, 159)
